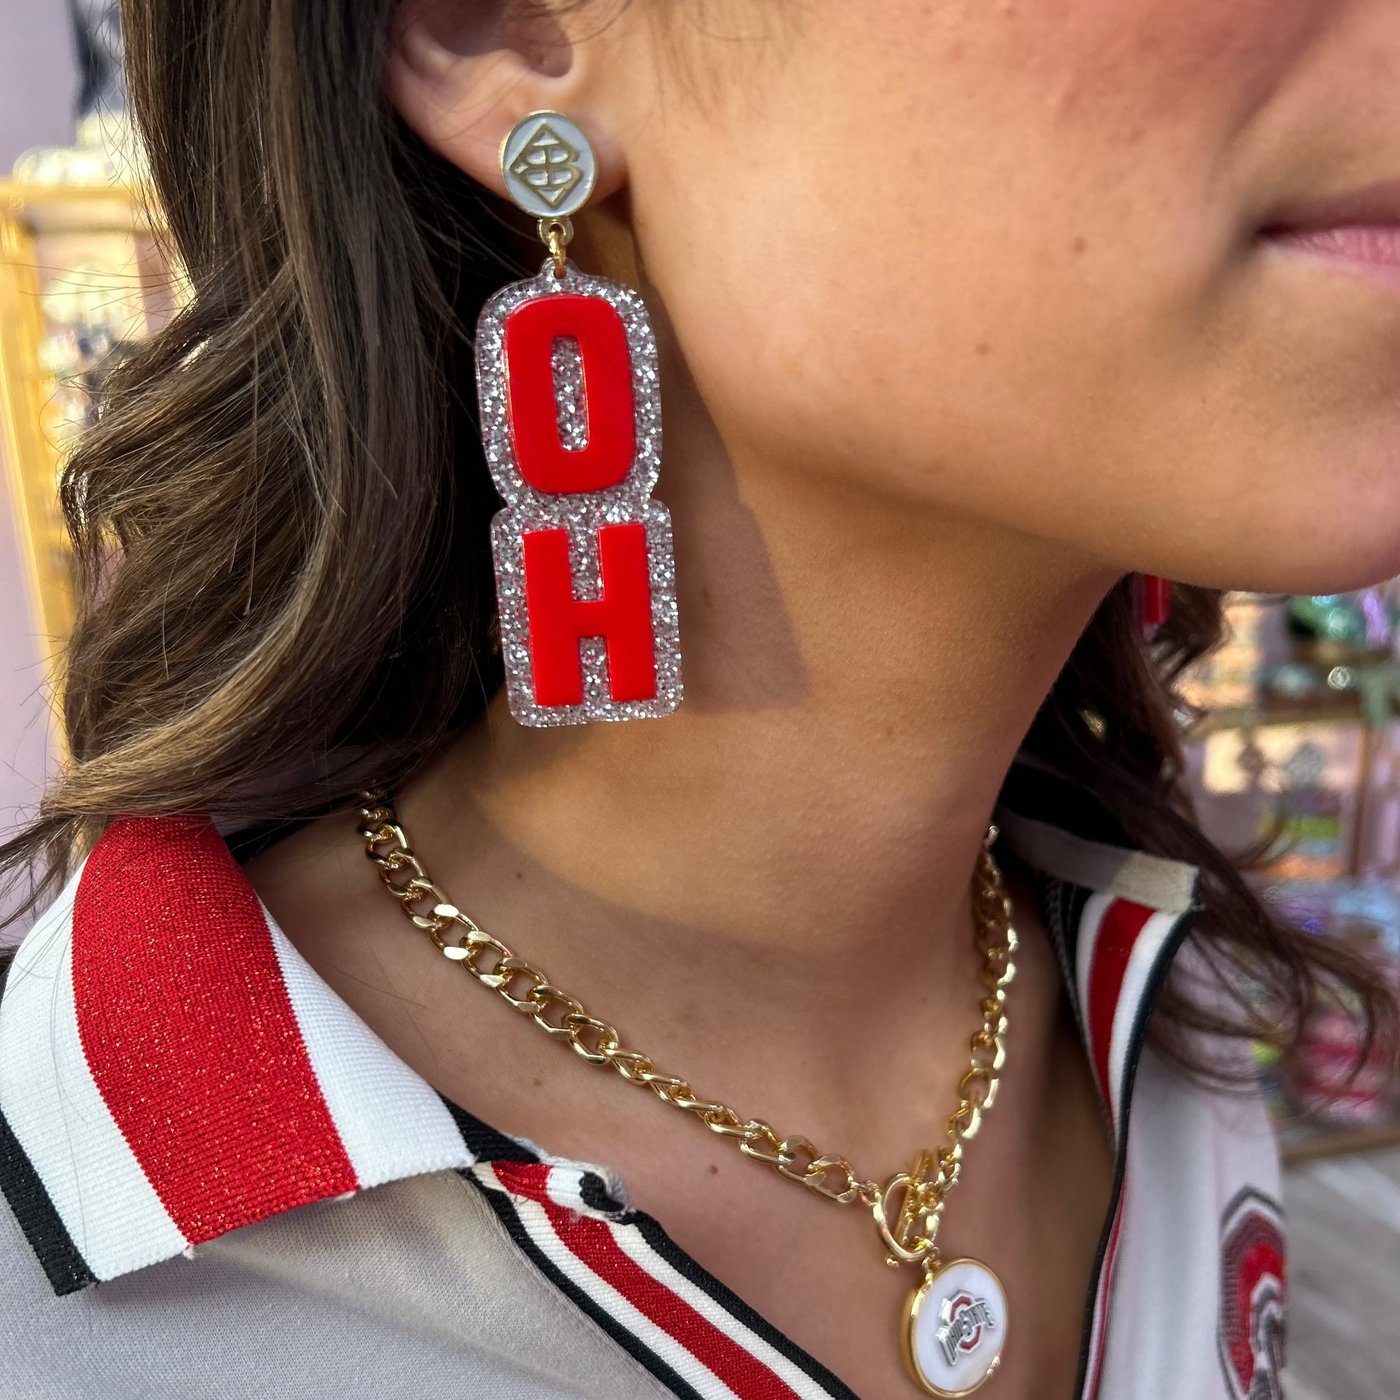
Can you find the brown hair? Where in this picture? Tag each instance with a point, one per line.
(280, 519)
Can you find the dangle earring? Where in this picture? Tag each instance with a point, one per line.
(571, 420)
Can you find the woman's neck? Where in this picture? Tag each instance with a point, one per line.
(859, 672)
(766, 892)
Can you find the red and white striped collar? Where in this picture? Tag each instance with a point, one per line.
(1117, 918)
(172, 1069)
(621, 1268)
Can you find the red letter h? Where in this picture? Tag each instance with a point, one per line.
(559, 620)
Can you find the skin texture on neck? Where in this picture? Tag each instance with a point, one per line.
(859, 673)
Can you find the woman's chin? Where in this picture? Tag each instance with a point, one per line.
(1293, 566)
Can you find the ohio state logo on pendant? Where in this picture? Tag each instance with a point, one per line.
(585, 574)
(955, 1328)
(1253, 1297)
(962, 1323)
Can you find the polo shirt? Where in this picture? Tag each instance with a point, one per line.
(221, 1183)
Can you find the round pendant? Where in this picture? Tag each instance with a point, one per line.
(955, 1328)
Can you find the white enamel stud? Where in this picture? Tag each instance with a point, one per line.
(548, 165)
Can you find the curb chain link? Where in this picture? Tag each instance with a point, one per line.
(912, 1237)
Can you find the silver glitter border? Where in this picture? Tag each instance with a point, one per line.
(598, 704)
(632, 493)
(581, 514)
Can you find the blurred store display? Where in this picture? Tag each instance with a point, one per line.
(1295, 758)
(106, 151)
(97, 26)
(84, 278)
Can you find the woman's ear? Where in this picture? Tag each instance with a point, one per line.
(462, 73)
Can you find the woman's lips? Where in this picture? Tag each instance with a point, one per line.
(1359, 230)
(1367, 245)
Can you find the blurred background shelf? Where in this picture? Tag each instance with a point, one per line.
(83, 280)
(1293, 756)
(1310, 1147)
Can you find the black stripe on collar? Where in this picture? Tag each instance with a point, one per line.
(65, 1267)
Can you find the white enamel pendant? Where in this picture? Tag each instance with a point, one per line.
(955, 1328)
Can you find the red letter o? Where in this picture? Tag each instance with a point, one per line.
(530, 334)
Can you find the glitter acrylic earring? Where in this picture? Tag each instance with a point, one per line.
(571, 421)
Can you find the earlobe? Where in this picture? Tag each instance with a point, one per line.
(463, 88)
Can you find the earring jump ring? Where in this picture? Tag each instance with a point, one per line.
(556, 233)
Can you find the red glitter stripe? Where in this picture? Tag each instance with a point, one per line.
(528, 1179)
(592, 1241)
(189, 1032)
(1118, 933)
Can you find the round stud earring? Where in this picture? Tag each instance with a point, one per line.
(550, 171)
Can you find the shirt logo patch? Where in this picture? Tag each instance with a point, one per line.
(1253, 1297)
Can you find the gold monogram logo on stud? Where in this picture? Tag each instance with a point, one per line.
(549, 165)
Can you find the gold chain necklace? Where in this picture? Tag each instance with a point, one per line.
(955, 1321)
